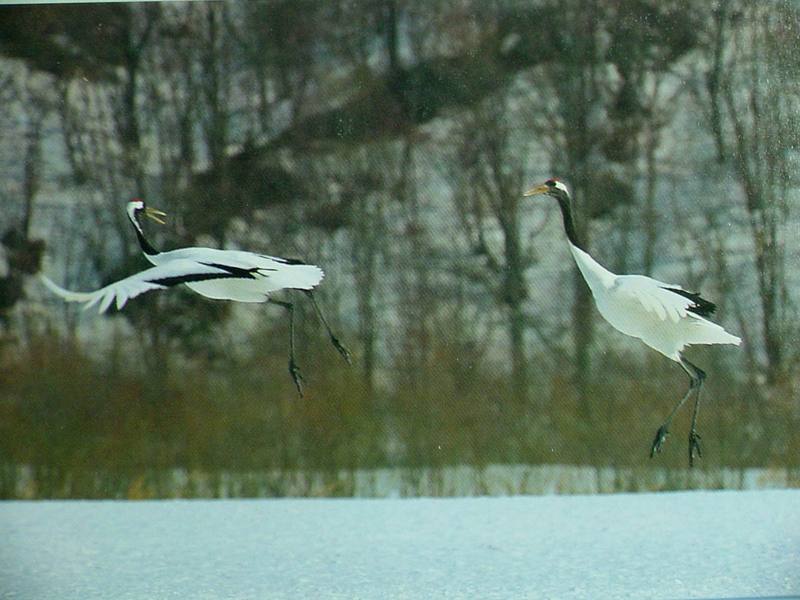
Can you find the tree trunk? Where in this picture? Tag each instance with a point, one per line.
(649, 213)
(515, 294)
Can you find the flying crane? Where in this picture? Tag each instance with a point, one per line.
(234, 275)
(664, 316)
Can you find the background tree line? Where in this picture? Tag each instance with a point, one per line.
(389, 142)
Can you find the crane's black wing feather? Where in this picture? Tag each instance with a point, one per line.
(234, 271)
(699, 306)
(193, 277)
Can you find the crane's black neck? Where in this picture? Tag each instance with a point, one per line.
(146, 246)
(569, 223)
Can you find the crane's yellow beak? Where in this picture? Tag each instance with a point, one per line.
(155, 214)
(539, 189)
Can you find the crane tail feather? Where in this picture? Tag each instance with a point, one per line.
(301, 277)
(67, 295)
(708, 332)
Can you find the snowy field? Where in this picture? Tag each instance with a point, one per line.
(669, 545)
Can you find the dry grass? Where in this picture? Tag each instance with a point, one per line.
(70, 417)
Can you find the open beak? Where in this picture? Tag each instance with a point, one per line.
(535, 191)
(155, 214)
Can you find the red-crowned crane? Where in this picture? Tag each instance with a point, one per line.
(664, 316)
(234, 275)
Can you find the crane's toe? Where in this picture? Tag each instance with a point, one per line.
(658, 442)
(342, 350)
(694, 447)
(294, 371)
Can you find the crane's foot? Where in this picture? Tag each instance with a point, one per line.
(294, 371)
(694, 446)
(342, 350)
(658, 442)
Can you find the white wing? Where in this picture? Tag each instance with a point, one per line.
(665, 317)
(160, 277)
(659, 298)
(278, 273)
(234, 258)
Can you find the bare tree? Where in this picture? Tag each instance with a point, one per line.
(29, 94)
(751, 98)
(492, 182)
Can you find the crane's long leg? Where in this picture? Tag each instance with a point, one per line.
(294, 371)
(696, 377)
(694, 437)
(334, 340)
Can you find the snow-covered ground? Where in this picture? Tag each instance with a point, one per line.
(668, 545)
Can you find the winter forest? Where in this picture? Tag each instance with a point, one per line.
(390, 142)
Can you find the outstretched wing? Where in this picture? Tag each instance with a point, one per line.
(664, 300)
(155, 278)
(277, 272)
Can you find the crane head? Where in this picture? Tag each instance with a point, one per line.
(137, 205)
(551, 187)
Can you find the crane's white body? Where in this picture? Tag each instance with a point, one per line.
(260, 274)
(275, 273)
(645, 308)
(218, 274)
